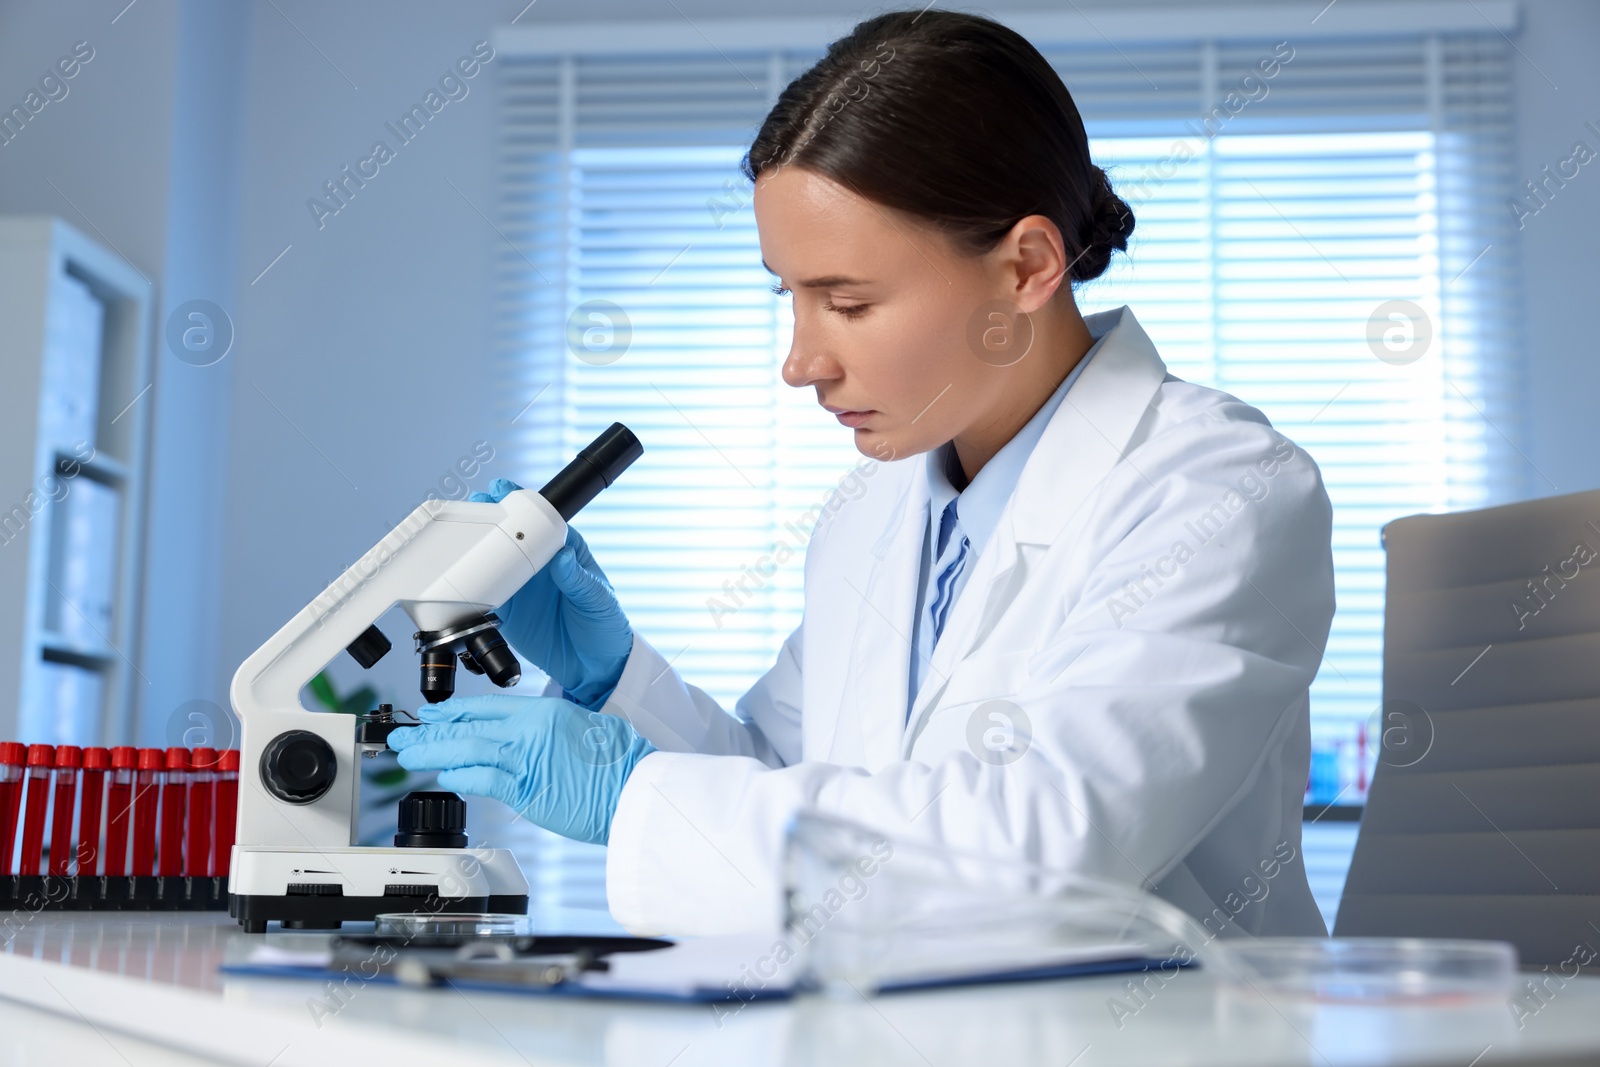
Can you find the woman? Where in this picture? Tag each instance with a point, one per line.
(1071, 618)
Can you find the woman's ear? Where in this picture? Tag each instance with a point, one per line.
(1034, 259)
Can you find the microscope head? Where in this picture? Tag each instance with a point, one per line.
(453, 631)
(475, 639)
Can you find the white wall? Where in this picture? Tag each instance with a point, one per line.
(363, 362)
(142, 154)
(361, 367)
(1558, 91)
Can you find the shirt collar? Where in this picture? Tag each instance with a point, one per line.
(981, 502)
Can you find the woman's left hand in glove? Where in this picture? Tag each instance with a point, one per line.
(560, 765)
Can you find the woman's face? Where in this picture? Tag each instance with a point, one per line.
(884, 307)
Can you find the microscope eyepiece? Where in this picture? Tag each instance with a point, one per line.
(597, 465)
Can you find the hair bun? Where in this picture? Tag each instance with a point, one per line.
(1109, 227)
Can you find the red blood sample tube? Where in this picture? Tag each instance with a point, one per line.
(35, 802)
(13, 757)
(174, 798)
(146, 796)
(68, 759)
(119, 808)
(96, 761)
(227, 811)
(202, 784)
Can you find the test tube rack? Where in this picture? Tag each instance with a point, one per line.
(131, 829)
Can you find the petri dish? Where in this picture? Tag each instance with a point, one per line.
(1367, 970)
(451, 926)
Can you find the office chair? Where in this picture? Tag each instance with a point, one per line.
(1483, 819)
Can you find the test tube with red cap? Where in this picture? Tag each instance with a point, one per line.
(227, 811)
(35, 803)
(174, 797)
(119, 808)
(146, 797)
(202, 785)
(13, 758)
(96, 761)
(69, 758)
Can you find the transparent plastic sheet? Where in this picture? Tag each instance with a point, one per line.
(867, 913)
(1375, 970)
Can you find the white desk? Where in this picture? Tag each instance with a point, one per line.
(137, 989)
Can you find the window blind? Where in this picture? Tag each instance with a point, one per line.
(1325, 242)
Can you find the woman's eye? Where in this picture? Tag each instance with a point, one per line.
(853, 311)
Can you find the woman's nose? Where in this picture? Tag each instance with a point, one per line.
(806, 366)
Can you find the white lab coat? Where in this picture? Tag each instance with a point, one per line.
(1170, 739)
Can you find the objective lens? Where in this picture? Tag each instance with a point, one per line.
(495, 657)
(438, 675)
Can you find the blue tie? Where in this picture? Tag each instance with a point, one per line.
(944, 594)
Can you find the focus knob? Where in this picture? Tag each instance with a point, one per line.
(432, 818)
(298, 767)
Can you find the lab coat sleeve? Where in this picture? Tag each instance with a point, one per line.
(1146, 726)
(678, 717)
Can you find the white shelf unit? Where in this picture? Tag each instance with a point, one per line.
(75, 322)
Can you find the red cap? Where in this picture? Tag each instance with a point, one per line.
(13, 753)
(152, 759)
(177, 759)
(68, 757)
(124, 757)
(203, 759)
(96, 759)
(41, 755)
(230, 760)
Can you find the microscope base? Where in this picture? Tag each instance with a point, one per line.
(327, 913)
(319, 890)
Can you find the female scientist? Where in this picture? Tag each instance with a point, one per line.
(1068, 611)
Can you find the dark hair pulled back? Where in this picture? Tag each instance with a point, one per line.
(955, 119)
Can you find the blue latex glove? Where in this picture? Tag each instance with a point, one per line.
(566, 620)
(558, 765)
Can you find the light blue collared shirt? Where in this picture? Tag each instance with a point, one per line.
(961, 522)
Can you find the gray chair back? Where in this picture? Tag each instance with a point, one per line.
(1483, 818)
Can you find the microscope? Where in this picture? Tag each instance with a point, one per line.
(447, 565)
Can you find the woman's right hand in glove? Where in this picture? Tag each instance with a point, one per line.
(565, 620)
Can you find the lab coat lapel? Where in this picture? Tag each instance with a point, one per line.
(873, 707)
(1084, 440)
(1091, 431)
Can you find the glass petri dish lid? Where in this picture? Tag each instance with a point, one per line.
(1375, 969)
(451, 926)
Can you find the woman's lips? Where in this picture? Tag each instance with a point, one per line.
(853, 418)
